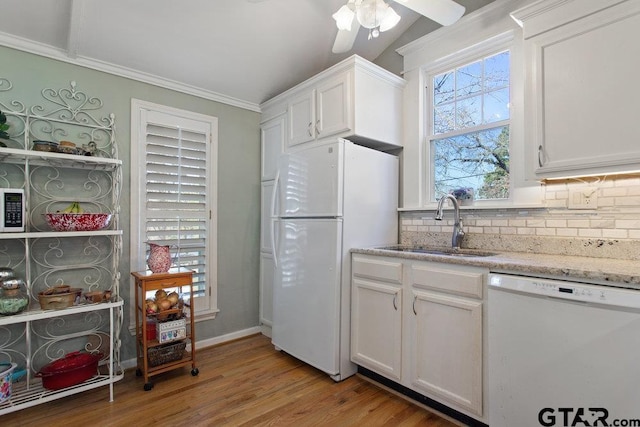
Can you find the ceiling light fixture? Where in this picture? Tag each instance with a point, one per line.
(376, 15)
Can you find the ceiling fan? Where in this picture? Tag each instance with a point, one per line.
(378, 16)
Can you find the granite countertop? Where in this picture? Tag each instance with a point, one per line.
(612, 272)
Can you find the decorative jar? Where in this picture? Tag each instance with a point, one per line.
(159, 260)
(14, 297)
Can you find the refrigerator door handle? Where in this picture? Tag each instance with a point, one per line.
(274, 194)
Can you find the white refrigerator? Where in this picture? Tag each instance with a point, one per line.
(327, 199)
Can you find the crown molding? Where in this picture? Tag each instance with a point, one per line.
(51, 52)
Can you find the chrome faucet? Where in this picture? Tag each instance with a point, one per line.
(458, 232)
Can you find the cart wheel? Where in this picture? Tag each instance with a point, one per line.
(148, 386)
(138, 372)
(195, 372)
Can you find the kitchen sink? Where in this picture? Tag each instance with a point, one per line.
(470, 253)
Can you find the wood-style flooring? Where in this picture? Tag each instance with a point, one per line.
(241, 383)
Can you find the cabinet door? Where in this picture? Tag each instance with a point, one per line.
(333, 106)
(580, 84)
(302, 113)
(445, 348)
(266, 190)
(267, 268)
(272, 134)
(376, 327)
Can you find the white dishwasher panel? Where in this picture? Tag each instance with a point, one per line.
(562, 353)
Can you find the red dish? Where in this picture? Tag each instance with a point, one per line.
(70, 370)
(77, 221)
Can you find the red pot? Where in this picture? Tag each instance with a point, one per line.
(70, 370)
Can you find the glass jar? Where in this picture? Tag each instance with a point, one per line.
(14, 297)
(6, 273)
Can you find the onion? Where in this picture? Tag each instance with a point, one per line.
(152, 307)
(174, 298)
(164, 304)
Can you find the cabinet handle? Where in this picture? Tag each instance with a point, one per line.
(540, 155)
(395, 306)
(415, 298)
(169, 285)
(274, 195)
(309, 129)
(317, 124)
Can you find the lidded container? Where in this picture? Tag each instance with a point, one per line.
(14, 297)
(7, 273)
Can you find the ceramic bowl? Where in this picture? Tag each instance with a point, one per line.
(47, 146)
(77, 221)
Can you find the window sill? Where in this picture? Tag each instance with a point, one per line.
(477, 206)
(207, 315)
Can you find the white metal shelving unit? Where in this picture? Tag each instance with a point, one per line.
(44, 258)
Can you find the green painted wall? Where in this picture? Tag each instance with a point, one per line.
(238, 176)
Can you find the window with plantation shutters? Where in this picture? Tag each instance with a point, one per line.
(175, 154)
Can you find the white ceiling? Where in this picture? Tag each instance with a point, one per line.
(244, 50)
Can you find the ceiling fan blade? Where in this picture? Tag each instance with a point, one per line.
(444, 12)
(345, 38)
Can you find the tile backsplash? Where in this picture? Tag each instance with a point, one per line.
(611, 230)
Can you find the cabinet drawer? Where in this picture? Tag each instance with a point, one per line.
(168, 282)
(378, 269)
(461, 281)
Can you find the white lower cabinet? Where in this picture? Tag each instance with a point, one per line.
(445, 338)
(267, 266)
(267, 269)
(376, 316)
(421, 324)
(272, 146)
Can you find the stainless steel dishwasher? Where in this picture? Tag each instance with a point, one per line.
(562, 353)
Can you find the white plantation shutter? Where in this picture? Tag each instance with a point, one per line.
(176, 156)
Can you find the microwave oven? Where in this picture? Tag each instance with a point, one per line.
(12, 210)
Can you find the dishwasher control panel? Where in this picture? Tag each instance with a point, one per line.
(579, 292)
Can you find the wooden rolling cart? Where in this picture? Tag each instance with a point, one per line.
(155, 357)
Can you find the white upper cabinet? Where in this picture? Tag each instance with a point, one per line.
(334, 105)
(321, 111)
(354, 99)
(302, 118)
(582, 59)
(272, 140)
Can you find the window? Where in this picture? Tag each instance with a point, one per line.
(469, 119)
(173, 193)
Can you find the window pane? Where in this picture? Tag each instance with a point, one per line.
(443, 85)
(469, 112)
(479, 160)
(469, 79)
(496, 106)
(496, 71)
(444, 119)
(478, 96)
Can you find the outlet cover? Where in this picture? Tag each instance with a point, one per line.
(583, 198)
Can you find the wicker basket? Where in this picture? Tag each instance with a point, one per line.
(166, 353)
